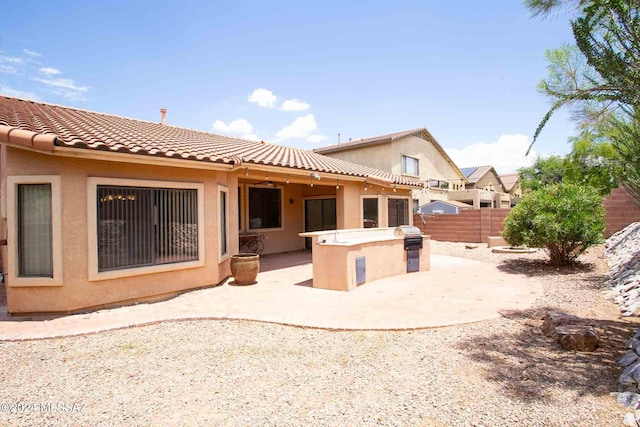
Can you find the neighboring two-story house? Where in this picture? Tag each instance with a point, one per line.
(484, 189)
(413, 153)
(511, 183)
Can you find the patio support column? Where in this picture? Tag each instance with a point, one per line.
(348, 206)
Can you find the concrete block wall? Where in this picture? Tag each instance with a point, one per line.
(473, 225)
(620, 211)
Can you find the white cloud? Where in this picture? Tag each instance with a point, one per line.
(8, 69)
(31, 53)
(62, 83)
(18, 93)
(263, 97)
(506, 155)
(316, 138)
(11, 60)
(239, 127)
(294, 105)
(299, 128)
(10, 64)
(65, 87)
(50, 71)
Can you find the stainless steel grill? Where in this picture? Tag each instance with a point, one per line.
(412, 236)
(412, 244)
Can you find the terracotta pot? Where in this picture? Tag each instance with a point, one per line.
(245, 268)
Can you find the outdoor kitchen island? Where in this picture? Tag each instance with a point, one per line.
(345, 259)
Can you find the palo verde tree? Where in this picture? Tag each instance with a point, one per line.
(607, 35)
(563, 219)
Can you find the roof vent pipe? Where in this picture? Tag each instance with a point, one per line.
(163, 115)
(338, 137)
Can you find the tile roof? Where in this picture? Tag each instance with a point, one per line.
(474, 173)
(369, 141)
(509, 180)
(381, 139)
(46, 126)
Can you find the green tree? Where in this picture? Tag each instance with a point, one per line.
(607, 35)
(545, 171)
(563, 219)
(593, 161)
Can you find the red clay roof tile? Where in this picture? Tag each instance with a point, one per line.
(70, 127)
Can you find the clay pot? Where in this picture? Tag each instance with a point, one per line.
(245, 268)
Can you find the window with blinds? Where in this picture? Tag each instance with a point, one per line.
(398, 212)
(35, 230)
(140, 226)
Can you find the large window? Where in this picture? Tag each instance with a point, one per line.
(398, 212)
(35, 231)
(370, 212)
(34, 220)
(223, 212)
(265, 208)
(138, 226)
(410, 166)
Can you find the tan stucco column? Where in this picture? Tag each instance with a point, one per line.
(348, 206)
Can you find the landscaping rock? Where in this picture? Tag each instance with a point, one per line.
(623, 255)
(628, 398)
(578, 337)
(552, 319)
(471, 246)
(629, 358)
(630, 420)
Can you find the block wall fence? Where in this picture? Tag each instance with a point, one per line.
(475, 225)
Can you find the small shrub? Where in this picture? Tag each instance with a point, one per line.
(563, 219)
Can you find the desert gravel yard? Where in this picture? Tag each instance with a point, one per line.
(502, 372)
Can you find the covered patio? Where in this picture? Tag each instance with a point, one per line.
(455, 291)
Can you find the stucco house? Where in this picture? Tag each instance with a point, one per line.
(99, 210)
(512, 185)
(483, 189)
(414, 154)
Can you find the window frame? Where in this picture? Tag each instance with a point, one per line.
(222, 256)
(380, 218)
(247, 218)
(409, 203)
(402, 166)
(14, 280)
(92, 224)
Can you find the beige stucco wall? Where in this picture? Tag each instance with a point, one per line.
(388, 157)
(488, 179)
(77, 291)
(379, 156)
(516, 190)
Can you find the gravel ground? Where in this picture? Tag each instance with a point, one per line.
(502, 372)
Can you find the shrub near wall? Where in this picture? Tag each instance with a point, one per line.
(564, 219)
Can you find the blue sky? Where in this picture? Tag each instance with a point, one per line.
(296, 73)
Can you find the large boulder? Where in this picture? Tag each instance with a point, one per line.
(553, 319)
(578, 337)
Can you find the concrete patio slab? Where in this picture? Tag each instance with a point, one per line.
(455, 291)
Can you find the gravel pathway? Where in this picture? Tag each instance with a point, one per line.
(502, 372)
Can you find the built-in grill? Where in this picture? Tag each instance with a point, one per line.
(412, 245)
